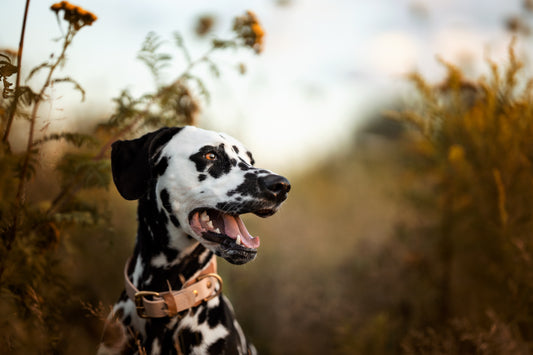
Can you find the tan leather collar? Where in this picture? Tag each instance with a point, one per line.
(169, 303)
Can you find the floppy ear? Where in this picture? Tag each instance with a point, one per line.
(131, 161)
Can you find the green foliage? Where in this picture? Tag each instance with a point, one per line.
(149, 55)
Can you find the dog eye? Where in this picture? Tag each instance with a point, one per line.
(210, 156)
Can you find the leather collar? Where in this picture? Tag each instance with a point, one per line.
(201, 288)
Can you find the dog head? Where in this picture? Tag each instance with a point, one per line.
(203, 181)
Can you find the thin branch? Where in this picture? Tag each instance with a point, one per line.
(17, 82)
(21, 190)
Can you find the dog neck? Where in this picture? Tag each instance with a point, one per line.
(164, 255)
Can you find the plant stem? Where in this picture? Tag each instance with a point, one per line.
(17, 82)
(12, 230)
(20, 197)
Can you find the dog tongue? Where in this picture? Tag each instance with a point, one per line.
(234, 226)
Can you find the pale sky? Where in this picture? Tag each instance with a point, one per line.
(325, 63)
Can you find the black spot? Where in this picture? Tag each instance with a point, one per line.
(127, 320)
(244, 166)
(216, 168)
(202, 316)
(161, 166)
(192, 311)
(202, 177)
(235, 149)
(189, 339)
(217, 347)
(165, 200)
(252, 161)
(199, 158)
(171, 254)
(189, 237)
(174, 221)
(249, 187)
(216, 315)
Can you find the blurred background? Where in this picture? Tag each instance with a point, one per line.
(404, 127)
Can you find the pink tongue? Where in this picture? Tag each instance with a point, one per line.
(233, 226)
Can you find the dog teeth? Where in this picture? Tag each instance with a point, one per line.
(217, 231)
(204, 217)
(209, 225)
(238, 240)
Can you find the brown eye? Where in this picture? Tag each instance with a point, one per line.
(210, 156)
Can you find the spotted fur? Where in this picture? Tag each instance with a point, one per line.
(174, 172)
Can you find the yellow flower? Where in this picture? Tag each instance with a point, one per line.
(250, 31)
(75, 15)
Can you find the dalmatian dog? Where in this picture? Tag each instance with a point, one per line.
(192, 186)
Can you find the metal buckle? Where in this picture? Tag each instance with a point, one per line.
(139, 302)
(216, 276)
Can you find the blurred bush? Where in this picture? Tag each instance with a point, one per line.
(474, 157)
(417, 240)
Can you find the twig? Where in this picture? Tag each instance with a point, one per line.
(17, 82)
(11, 232)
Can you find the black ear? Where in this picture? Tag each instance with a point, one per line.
(131, 161)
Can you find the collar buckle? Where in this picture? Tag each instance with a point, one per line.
(139, 305)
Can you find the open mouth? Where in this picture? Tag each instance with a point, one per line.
(225, 229)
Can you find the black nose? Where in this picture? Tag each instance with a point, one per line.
(277, 185)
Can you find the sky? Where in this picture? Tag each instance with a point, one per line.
(325, 64)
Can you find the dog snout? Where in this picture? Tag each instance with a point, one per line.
(277, 185)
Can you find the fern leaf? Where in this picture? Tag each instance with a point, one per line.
(150, 57)
(7, 69)
(76, 139)
(88, 172)
(221, 43)
(77, 86)
(5, 56)
(26, 95)
(201, 86)
(180, 43)
(37, 69)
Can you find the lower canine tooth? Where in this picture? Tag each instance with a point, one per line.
(238, 241)
(217, 230)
